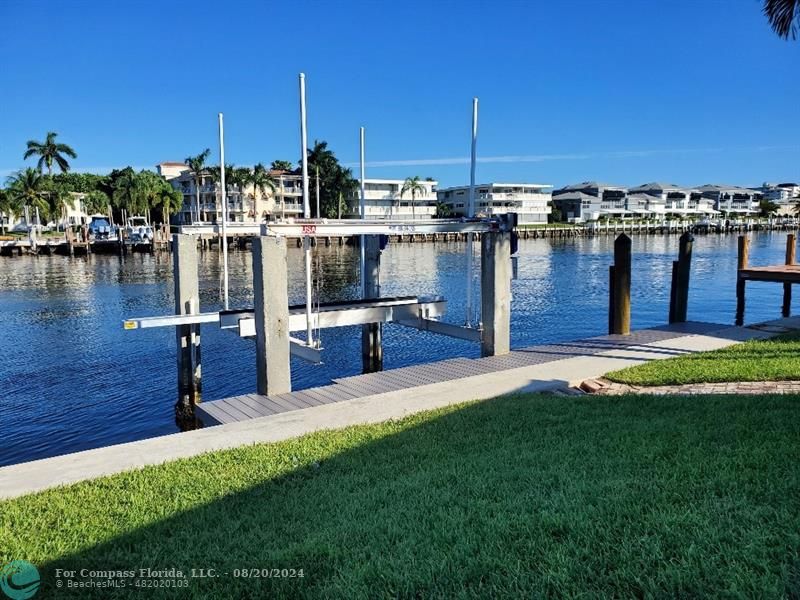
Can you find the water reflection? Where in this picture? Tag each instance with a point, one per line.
(71, 378)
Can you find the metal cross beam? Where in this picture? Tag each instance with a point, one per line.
(355, 227)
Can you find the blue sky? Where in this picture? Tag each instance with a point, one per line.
(690, 91)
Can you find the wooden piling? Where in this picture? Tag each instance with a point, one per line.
(679, 293)
(372, 333)
(787, 287)
(742, 261)
(622, 285)
(271, 300)
(187, 301)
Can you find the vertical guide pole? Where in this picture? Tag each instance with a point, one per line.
(224, 213)
(184, 264)
(471, 208)
(371, 333)
(787, 287)
(742, 261)
(362, 209)
(611, 302)
(319, 214)
(306, 205)
(679, 297)
(271, 301)
(622, 285)
(496, 292)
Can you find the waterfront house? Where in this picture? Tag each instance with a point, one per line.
(530, 201)
(590, 201)
(731, 200)
(245, 204)
(382, 200)
(785, 195)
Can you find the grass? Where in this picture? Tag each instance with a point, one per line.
(531, 496)
(774, 359)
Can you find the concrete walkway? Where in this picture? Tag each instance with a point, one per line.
(567, 370)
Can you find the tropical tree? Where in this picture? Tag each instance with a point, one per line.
(60, 201)
(168, 199)
(50, 152)
(413, 186)
(281, 165)
(443, 211)
(197, 166)
(784, 16)
(96, 201)
(261, 181)
(130, 193)
(26, 188)
(334, 180)
(767, 207)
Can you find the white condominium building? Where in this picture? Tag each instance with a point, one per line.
(245, 204)
(531, 201)
(385, 199)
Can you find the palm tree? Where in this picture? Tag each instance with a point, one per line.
(50, 152)
(412, 185)
(130, 193)
(197, 166)
(784, 16)
(169, 199)
(60, 201)
(26, 188)
(281, 165)
(261, 181)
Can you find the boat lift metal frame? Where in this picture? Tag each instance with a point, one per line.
(271, 320)
(413, 311)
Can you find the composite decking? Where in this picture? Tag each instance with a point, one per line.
(252, 406)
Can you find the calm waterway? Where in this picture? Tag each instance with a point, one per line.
(72, 379)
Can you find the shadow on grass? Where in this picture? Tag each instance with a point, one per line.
(530, 496)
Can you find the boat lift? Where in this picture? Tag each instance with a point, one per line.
(272, 321)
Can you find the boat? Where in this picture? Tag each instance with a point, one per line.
(101, 230)
(138, 230)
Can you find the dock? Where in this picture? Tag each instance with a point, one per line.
(787, 274)
(254, 406)
(549, 367)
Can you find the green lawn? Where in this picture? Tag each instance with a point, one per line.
(775, 359)
(530, 496)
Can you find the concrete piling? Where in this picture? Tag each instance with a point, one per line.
(187, 301)
(371, 333)
(271, 296)
(496, 293)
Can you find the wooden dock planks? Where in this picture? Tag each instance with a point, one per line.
(253, 406)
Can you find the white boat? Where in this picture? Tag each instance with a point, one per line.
(138, 230)
(100, 229)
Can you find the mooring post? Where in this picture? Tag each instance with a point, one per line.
(611, 302)
(371, 333)
(787, 287)
(496, 293)
(742, 261)
(271, 300)
(679, 294)
(187, 301)
(622, 285)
